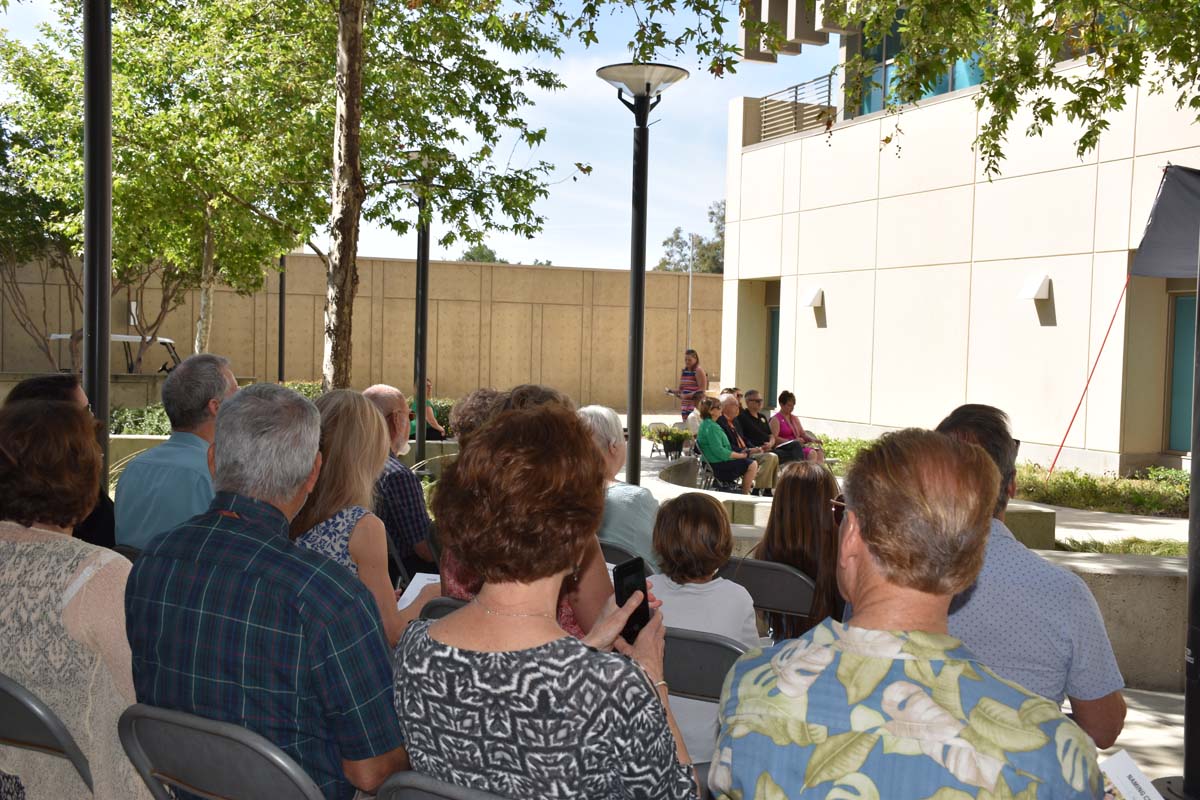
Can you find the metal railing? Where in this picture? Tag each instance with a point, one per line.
(805, 106)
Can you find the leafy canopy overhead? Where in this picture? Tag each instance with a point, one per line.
(1020, 46)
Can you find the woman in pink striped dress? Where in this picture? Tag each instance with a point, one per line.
(692, 380)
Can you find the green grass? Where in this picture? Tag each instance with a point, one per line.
(1160, 497)
(1132, 546)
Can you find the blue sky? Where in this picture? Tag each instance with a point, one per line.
(588, 219)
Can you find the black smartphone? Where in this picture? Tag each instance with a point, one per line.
(630, 577)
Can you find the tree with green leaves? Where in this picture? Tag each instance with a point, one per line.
(694, 252)
(203, 180)
(481, 253)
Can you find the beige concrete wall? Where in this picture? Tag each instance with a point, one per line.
(490, 325)
(922, 260)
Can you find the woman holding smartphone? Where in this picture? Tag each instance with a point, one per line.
(565, 718)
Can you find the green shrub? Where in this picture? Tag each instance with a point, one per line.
(310, 389)
(1131, 546)
(1175, 477)
(844, 450)
(441, 411)
(149, 421)
(1075, 489)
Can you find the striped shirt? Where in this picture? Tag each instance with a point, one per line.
(230, 620)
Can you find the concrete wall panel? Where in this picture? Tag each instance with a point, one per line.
(761, 242)
(762, 182)
(1036, 215)
(562, 341)
(793, 159)
(920, 357)
(934, 150)
(925, 228)
(840, 168)
(832, 363)
(837, 238)
(1102, 411)
(1114, 184)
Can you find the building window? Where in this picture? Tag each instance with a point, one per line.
(963, 74)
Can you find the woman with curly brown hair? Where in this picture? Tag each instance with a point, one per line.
(62, 601)
(497, 696)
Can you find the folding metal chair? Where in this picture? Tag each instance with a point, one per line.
(27, 722)
(776, 588)
(416, 786)
(695, 663)
(439, 607)
(615, 554)
(213, 759)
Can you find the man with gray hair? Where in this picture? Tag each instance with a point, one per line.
(167, 484)
(228, 619)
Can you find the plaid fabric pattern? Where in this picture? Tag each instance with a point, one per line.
(400, 503)
(228, 619)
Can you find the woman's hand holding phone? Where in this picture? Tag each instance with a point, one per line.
(649, 648)
(607, 629)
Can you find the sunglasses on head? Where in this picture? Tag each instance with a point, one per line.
(838, 504)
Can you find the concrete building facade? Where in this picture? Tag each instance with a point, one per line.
(876, 271)
(490, 325)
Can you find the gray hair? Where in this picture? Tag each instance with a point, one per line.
(189, 387)
(727, 397)
(604, 425)
(388, 399)
(266, 440)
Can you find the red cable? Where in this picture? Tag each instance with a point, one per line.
(1089, 379)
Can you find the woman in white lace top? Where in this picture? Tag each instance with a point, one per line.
(62, 601)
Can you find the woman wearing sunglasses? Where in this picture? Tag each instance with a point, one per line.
(802, 532)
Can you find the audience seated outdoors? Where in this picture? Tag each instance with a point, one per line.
(399, 497)
(792, 442)
(336, 520)
(229, 619)
(753, 424)
(629, 511)
(1033, 622)
(61, 608)
(695, 416)
(768, 463)
(728, 465)
(165, 485)
(588, 587)
(99, 527)
(693, 540)
(497, 696)
(472, 411)
(802, 532)
(888, 704)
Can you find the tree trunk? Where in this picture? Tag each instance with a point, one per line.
(348, 196)
(208, 279)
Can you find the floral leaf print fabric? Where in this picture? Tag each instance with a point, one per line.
(845, 713)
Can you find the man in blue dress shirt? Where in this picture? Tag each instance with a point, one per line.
(170, 483)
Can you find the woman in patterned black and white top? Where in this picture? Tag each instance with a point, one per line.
(496, 696)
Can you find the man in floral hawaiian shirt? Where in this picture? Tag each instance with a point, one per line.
(888, 705)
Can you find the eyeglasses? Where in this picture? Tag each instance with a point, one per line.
(753, 399)
(838, 505)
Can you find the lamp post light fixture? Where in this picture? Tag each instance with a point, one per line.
(639, 88)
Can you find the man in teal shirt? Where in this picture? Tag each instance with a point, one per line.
(169, 484)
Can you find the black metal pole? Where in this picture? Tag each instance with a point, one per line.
(282, 309)
(97, 210)
(1188, 787)
(637, 289)
(421, 332)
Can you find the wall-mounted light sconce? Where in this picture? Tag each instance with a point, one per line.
(1037, 287)
(812, 297)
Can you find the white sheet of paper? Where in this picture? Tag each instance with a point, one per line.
(419, 582)
(1127, 779)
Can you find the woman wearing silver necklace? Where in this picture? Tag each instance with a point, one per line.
(496, 696)
(62, 601)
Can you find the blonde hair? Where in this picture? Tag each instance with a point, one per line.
(924, 507)
(354, 448)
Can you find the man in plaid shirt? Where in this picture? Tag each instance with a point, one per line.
(399, 499)
(228, 619)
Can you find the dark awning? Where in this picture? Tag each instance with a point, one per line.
(1170, 246)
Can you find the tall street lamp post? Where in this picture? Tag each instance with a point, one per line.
(639, 88)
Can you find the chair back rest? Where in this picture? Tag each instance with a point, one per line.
(695, 663)
(615, 554)
(27, 722)
(773, 587)
(213, 759)
(439, 607)
(129, 551)
(416, 786)
(657, 426)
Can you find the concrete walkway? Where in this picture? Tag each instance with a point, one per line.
(1153, 733)
(1103, 526)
